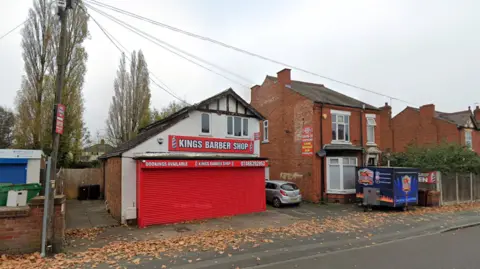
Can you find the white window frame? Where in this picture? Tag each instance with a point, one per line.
(469, 134)
(209, 124)
(342, 113)
(265, 131)
(233, 126)
(371, 123)
(340, 163)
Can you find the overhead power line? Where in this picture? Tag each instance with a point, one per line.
(122, 50)
(204, 38)
(11, 31)
(173, 49)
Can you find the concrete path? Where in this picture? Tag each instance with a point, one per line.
(88, 214)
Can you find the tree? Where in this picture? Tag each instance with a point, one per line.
(35, 99)
(129, 110)
(6, 127)
(444, 157)
(171, 108)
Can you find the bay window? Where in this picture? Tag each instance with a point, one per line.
(341, 174)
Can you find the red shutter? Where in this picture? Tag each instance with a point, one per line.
(175, 195)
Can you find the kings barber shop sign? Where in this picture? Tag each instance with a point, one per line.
(208, 144)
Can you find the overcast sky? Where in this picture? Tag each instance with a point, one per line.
(419, 51)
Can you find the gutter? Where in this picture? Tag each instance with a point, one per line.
(322, 159)
(361, 135)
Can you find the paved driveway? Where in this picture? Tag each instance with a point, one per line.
(88, 214)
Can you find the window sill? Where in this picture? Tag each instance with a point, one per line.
(238, 137)
(206, 135)
(265, 142)
(341, 142)
(371, 144)
(341, 192)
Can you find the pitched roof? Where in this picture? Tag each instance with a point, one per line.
(321, 94)
(459, 118)
(98, 148)
(159, 126)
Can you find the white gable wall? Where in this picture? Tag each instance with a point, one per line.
(190, 126)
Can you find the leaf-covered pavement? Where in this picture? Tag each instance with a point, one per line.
(223, 241)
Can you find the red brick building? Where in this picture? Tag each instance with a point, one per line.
(315, 136)
(426, 126)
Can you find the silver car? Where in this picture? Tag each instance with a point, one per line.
(282, 192)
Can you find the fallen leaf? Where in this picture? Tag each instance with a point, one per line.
(136, 261)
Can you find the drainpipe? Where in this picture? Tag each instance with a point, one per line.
(361, 134)
(322, 159)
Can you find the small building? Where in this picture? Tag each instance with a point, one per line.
(315, 136)
(200, 162)
(20, 166)
(92, 153)
(425, 126)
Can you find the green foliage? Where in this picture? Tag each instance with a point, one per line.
(35, 99)
(444, 157)
(166, 111)
(6, 127)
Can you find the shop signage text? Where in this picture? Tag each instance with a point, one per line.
(202, 163)
(208, 144)
(307, 141)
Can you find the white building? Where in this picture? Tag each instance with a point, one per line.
(197, 163)
(20, 166)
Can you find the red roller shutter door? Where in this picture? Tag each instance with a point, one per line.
(175, 195)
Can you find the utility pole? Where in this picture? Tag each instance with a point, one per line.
(59, 109)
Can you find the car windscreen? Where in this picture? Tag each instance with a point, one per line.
(289, 187)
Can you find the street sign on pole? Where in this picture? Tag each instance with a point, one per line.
(60, 119)
(62, 3)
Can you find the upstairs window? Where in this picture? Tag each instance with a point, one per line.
(237, 126)
(340, 126)
(205, 123)
(371, 123)
(468, 139)
(265, 131)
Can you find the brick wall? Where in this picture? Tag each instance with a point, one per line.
(21, 227)
(113, 186)
(287, 113)
(411, 126)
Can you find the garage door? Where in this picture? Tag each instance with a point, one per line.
(175, 195)
(13, 171)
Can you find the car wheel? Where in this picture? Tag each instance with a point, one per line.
(276, 202)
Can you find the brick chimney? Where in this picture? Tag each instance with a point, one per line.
(476, 113)
(284, 76)
(386, 111)
(427, 112)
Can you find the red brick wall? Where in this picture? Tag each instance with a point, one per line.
(113, 186)
(476, 141)
(21, 228)
(287, 113)
(414, 127)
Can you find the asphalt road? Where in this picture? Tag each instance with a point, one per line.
(457, 249)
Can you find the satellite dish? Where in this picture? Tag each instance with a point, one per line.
(321, 153)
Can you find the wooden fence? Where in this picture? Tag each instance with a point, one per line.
(71, 179)
(459, 187)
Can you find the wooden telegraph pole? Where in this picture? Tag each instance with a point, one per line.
(58, 117)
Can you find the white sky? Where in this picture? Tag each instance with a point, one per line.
(420, 51)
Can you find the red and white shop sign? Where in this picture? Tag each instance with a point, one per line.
(60, 117)
(208, 144)
(146, 164)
